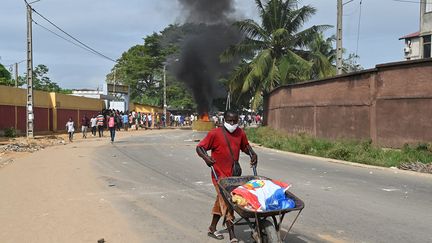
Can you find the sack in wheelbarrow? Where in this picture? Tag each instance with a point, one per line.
(263, 195)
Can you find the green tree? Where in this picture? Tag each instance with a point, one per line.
(274, 52)
(140, 68)
(179, 98)
(322, 55)
(351, 64)
(5, 77)
(42, 82)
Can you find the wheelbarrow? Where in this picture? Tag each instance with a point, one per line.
(265, 225)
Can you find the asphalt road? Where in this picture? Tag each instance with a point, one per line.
(164, 189)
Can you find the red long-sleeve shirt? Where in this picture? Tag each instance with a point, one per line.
(215, 141)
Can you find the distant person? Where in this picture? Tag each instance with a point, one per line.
(93, 122)
(149, 118)
(100, 124)
(125, 121)
(85, 122)
(70, 127)
(118, 120)
(137, 120)
(225, 142)
(112, 126)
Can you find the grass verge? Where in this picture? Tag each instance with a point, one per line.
(354, 151)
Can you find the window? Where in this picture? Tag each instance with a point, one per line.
(428, 6)
(426, 46)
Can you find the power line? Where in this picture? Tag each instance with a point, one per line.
(54, 33)
(75, 39)
(358, 27)
(10, 65)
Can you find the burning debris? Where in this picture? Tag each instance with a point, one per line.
(199, 66)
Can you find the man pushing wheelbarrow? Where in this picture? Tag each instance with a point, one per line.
(225, 144)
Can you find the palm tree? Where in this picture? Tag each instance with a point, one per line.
(273, 52)
(322, 55)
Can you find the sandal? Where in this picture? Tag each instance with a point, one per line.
(234, 240)
(216, 235)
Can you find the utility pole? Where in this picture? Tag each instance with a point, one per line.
(29, 108)
(339, 50)
(164, 96)
(16, 74)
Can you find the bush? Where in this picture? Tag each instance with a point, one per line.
(356, 151)
(340, 153)
(10, 132)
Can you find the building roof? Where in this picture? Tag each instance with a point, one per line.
(412, 35)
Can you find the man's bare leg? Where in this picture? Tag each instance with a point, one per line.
(214, 222)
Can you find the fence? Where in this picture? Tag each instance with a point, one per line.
(390, 104)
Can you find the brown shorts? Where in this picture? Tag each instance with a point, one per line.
(220, 207)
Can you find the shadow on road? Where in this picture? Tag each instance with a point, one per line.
(244, 234)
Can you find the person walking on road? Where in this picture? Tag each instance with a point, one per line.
(112, 126)
(93, 122)
(100, 124)
(223, 157)
(125, 121)
(70, 127)
(85, 121)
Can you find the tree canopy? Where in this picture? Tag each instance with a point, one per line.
(5, 77)
(278, 51)
(41, 81)
(141, 67)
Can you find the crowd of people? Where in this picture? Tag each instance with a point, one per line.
(114, 120)
(245, 120)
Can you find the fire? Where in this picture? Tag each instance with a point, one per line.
(205, 117)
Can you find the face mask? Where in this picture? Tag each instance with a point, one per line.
(230, 128)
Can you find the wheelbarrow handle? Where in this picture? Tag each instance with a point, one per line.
(254, 166)
(217, 178)
(214, 173)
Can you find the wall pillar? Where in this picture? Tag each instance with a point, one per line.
(16, 118)
(374, 80)
(54, 111)
(315, 121)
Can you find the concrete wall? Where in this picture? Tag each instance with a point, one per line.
(425, 19)
(145, 108)
(391, 104)
(51, 110)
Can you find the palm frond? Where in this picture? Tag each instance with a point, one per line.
(303, 38)
(260, 67)
(252, 29)
(247, 48)
(296, 18)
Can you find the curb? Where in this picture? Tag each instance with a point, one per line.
(392, 169)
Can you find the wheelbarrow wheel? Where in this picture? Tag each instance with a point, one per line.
(269, 232)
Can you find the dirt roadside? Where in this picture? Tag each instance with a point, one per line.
(54, 196)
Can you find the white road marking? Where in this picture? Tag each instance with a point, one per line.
(390, 189)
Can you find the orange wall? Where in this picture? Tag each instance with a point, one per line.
(50, 109)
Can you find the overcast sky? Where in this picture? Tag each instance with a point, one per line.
(112, 27)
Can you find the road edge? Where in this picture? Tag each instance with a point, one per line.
(391, 169)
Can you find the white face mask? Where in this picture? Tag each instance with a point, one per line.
(230, 128)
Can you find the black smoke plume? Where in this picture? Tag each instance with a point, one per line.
(199, 64)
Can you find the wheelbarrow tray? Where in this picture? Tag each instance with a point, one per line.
(228, 184)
